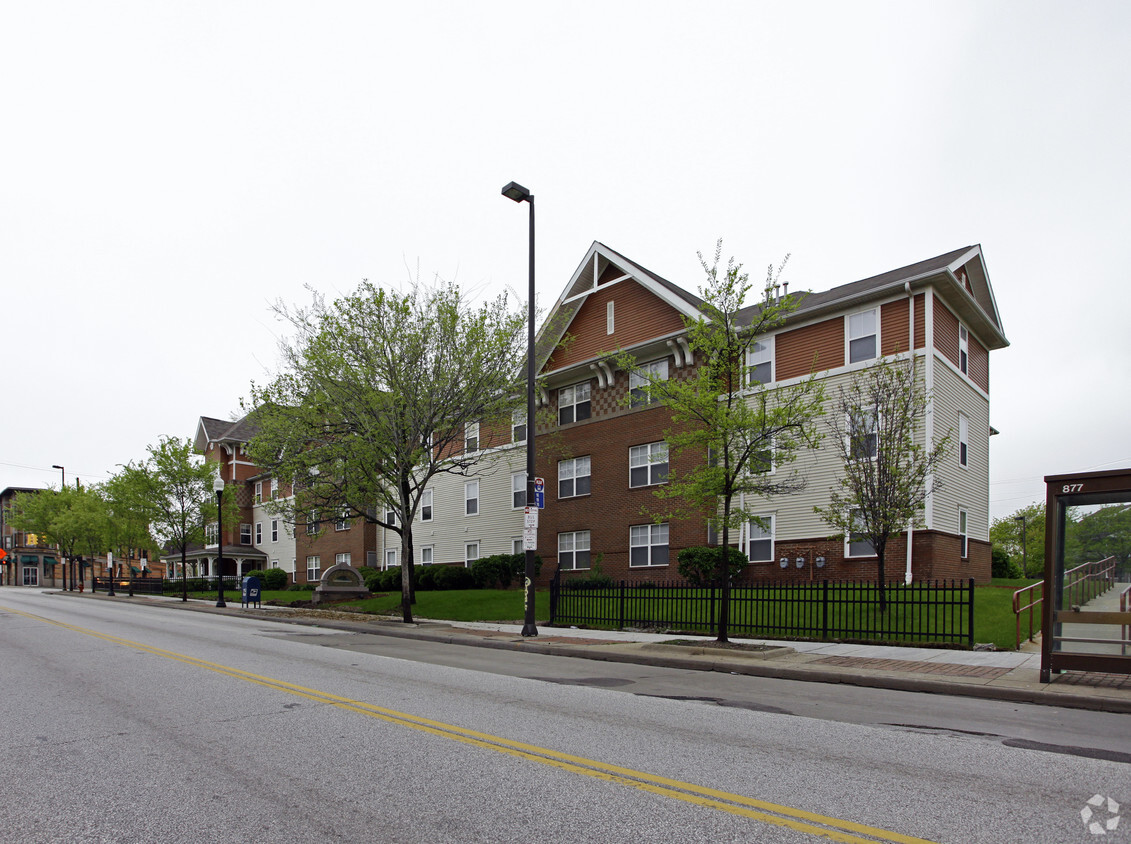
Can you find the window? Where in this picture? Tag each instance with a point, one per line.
(245, 534)
(610, 321)
(470, 553)
(647, 464)
(471, 436)
(274, 530)
(391, 518)
(426, 557)
(312, 523)
(573, 477)
(313, 567)
(371, 559)
(259, 492)
(259, 533)
(274, 488)
(760, 546)
(963, 440)
(862, 336)
(426, 506)
(343, 521)
(760, 362)
(963, 349)
(518, 426)
(573, 403)
(210, 534)
(274, 564)
(342, 559)
(648, 545)
(863, 435)
(963, 530)
(517, 545)
(518, 490)
(471, 498)
(391, 558)
(639, 380)
(857, 545)
(573, 550)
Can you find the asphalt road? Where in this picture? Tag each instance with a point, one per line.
(135, 723)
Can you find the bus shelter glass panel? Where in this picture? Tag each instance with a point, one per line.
(1088, 620)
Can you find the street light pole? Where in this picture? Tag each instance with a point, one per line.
(218, 488)
(1024, 545)
(515, 191)
(64, 471)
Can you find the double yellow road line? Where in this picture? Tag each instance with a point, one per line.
(723, 801)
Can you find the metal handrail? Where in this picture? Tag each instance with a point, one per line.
(1033, 602)
(1123, 601)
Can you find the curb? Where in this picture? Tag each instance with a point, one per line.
(659, 655)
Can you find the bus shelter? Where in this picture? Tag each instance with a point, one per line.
(1087, 606)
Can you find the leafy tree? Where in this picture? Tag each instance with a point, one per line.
(376, 394)
(129, 512)
(1099, 534)
(173, 488)
(722, 413)
(74, 519)
(1006, 534)
(877, 425)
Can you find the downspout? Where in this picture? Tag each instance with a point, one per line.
(911, 347)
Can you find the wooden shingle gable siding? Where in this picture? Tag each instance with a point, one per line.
(639, 316)
(979, 364)
(946, 331)
(808, 349)
(894, 333)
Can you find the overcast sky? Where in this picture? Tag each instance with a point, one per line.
(168, 170)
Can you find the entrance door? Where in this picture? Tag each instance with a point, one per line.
(31, 575)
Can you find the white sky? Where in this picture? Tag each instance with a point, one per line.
(167, 170)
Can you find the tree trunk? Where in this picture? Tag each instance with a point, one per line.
(880, 579)
(724, 576)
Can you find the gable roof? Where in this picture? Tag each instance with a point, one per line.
(212, 430)
(976, 306)
(586, 279)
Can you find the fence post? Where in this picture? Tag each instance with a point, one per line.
(970, 618)
(825, 608)
(620, 611)
(712, 627)
(555, 582)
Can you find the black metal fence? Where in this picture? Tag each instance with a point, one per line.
(162, 585)
(926, 612)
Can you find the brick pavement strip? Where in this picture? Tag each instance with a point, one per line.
(946, 668)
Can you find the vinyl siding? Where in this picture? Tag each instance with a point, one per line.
(962, 487)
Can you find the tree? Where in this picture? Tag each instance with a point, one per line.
(732, 428)
(878, 427)
(1099, 534)
(73, 519)
(129, 509)
(173, 487)
(1006, 533)
(377, 393)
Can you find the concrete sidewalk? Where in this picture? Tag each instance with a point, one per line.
(1001, 675)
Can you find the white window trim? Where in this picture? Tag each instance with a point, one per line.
(848, 555)
(649, 546)
(259, 492)
(574, 537)
(468, 497)
(431, 549)
(467, 558)
(426, 498)
(850, 430)
(515, 490)
(391, 553)
(964, 532)
(574, 401)
(638, 380)
(274, 530)
(574, 476)
(769, 356)
(259, 533)
(471, 442)
(518, 420)
(610, 320)
(848, 338)
(963, 349)
(963, 441)
(343, 558)
(652, 462)
(767, 517)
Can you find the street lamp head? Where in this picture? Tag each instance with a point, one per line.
(1019, 519)
(56, 466)
(217, 484)
(517, 192)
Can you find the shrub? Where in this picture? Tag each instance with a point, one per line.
(1003, 566)
(426, 577)
(454, 577)
(301, 587)
(274, 578)
(518, 567)
(596, 579)
(699, 565)
(262, 575)
(492, 572)
(372, 578)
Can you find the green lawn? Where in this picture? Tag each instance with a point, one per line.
(994, 620)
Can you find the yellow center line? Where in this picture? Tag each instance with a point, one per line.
(811, 823)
